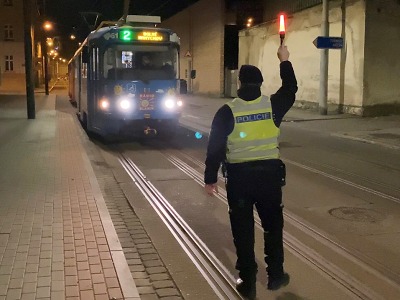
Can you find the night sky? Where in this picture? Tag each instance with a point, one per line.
(67, 17)
(68, 14)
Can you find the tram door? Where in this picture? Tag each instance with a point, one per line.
(83, 82)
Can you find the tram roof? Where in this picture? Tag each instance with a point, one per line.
(102, 31)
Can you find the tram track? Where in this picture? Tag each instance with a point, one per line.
(347, 182)
(373, 273)
(316, 233)
(348, 174)
(218, 277)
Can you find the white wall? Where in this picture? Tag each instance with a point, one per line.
(372, 62)
(382, 59)
(258, 46)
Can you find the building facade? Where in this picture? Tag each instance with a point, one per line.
(12, 57)
(362, 77)
(12, 48)
(201, 31)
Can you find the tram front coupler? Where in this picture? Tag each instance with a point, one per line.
(150, 131)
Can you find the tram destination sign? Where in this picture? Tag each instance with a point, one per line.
(326, 42)
(142, 35)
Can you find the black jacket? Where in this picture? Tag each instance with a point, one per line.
(223, 121)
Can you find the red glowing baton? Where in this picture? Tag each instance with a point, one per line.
(282, 27)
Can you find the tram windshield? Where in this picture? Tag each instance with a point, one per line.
(132, 62)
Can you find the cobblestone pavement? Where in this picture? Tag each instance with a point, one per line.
(148, 270)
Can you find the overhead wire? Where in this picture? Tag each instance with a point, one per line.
(158, 8)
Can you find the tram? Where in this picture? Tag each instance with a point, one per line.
(124, 79)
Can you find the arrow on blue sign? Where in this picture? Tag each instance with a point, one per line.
(327, 42)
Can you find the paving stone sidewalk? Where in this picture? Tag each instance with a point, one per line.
(57, 240)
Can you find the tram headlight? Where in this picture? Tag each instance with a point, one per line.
(104, 104)
(171, 103)
(125, 104)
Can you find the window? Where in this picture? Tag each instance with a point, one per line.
(8, 2)
(95, 64)
(140, 62)
(9, 63)
(8, 32)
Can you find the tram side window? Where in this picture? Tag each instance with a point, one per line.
(109, 62)
(95, 62)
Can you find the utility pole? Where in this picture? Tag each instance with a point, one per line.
(44, 52)
(342, 59)
(45, 64)
(126, 9)
(323, 82)
(28, 32)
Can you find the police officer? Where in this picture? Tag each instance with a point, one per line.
(244, 138)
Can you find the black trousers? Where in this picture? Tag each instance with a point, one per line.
(259, 186)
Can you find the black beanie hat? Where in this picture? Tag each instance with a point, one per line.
(250, 74)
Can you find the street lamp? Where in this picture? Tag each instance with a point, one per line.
(47, 26)
(249, 22)
(49, 42)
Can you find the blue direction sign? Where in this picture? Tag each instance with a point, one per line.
(327, 42)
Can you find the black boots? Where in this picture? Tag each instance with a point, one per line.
(247, 289)
(275, 283)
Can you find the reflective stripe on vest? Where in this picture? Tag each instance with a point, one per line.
(254, 135)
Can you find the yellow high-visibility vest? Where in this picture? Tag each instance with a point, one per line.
(255, 135)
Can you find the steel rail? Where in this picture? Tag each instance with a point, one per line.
(218, 277)
(353, 255)
(344, 181)
(350, 174)
(346, 280)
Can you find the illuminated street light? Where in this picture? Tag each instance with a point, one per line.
(47, 26)
(72, 37)
(249, 22)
